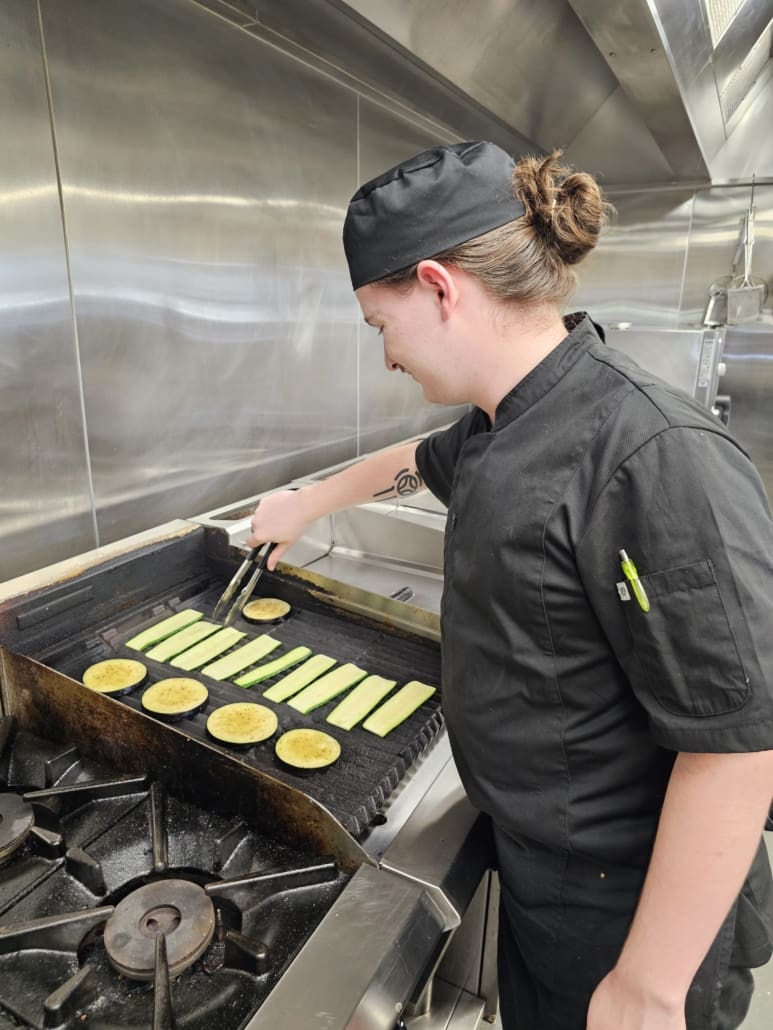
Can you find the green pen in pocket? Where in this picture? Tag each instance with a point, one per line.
(630, 573)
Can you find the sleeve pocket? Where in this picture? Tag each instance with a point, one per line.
(684, 650)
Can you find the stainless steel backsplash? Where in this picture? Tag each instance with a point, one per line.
(177, 328)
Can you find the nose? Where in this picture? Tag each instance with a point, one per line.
(391, 366)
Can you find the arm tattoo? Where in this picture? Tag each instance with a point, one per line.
(406, 482)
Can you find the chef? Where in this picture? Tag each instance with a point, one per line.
(607, 614)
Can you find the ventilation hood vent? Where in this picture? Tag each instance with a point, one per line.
(720, 14)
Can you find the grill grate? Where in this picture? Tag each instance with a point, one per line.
(355, 788)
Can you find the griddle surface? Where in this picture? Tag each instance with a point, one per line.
(355, 788)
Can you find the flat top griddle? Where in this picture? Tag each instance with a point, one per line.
(355, 788)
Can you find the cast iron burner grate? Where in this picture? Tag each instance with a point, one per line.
(121, 905)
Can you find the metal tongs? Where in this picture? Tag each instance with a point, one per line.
(233, 586)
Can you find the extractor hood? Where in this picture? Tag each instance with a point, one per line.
(636, 91)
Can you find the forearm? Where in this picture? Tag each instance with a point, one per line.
(383, 475)
(710, 827)
(282, 517)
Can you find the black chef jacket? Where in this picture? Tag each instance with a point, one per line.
(566, 703)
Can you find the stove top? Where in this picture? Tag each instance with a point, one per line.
(123, 905)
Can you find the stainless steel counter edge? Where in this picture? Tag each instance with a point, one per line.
(362, 962)
(445, 844)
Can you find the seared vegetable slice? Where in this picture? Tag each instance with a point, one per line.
(398, 708)
(363, 699)
(307, 749)
(164, 629)
(265, 672)
(175, 698)
(182, 641)
(225, 668)
(115, 675)
(265, 609)
(299, 678)
(207, 649)
(328, 687)
(242, 723)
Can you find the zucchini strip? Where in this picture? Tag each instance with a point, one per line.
(207, 649)
(398, 708)
(232, 664)
(299, 678)
(328, 687)
(164, 629)
(181, 641)
(265, 672)
(363, 699)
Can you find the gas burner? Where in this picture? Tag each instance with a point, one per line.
(177, 910)
(126, 906)
(16, 821)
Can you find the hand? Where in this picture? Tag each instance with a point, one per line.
(619, 1005)
(280, 518)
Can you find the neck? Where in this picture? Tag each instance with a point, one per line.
(511, 349)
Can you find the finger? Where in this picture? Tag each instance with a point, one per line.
(276, 555)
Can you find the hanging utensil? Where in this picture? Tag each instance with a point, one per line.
(747, 294)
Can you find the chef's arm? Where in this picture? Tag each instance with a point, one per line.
(709, 830)
(283, 516)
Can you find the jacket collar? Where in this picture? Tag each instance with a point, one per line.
(582, 333)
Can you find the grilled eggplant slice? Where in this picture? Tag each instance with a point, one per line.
(265, 609)
(398, 708)
(328, 687)
(233, 663)
(299, 678)
(164, 629)
(175, 698)
(363, 699)
(242, 723)
(307, 749)
(265, 672)
(115, 676)
(208, 649)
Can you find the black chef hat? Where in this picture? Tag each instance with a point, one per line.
(427, 205)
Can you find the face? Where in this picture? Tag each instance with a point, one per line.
(417, 340)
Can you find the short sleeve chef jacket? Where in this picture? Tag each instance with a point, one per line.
(565, 703)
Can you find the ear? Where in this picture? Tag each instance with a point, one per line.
(434, 276)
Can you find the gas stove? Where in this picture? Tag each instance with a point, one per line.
(121, 904)
(152, 877)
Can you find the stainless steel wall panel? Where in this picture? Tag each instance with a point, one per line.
(391, 404)
(45, 505)
(635, 274)
(749, 384)
(204, 178)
